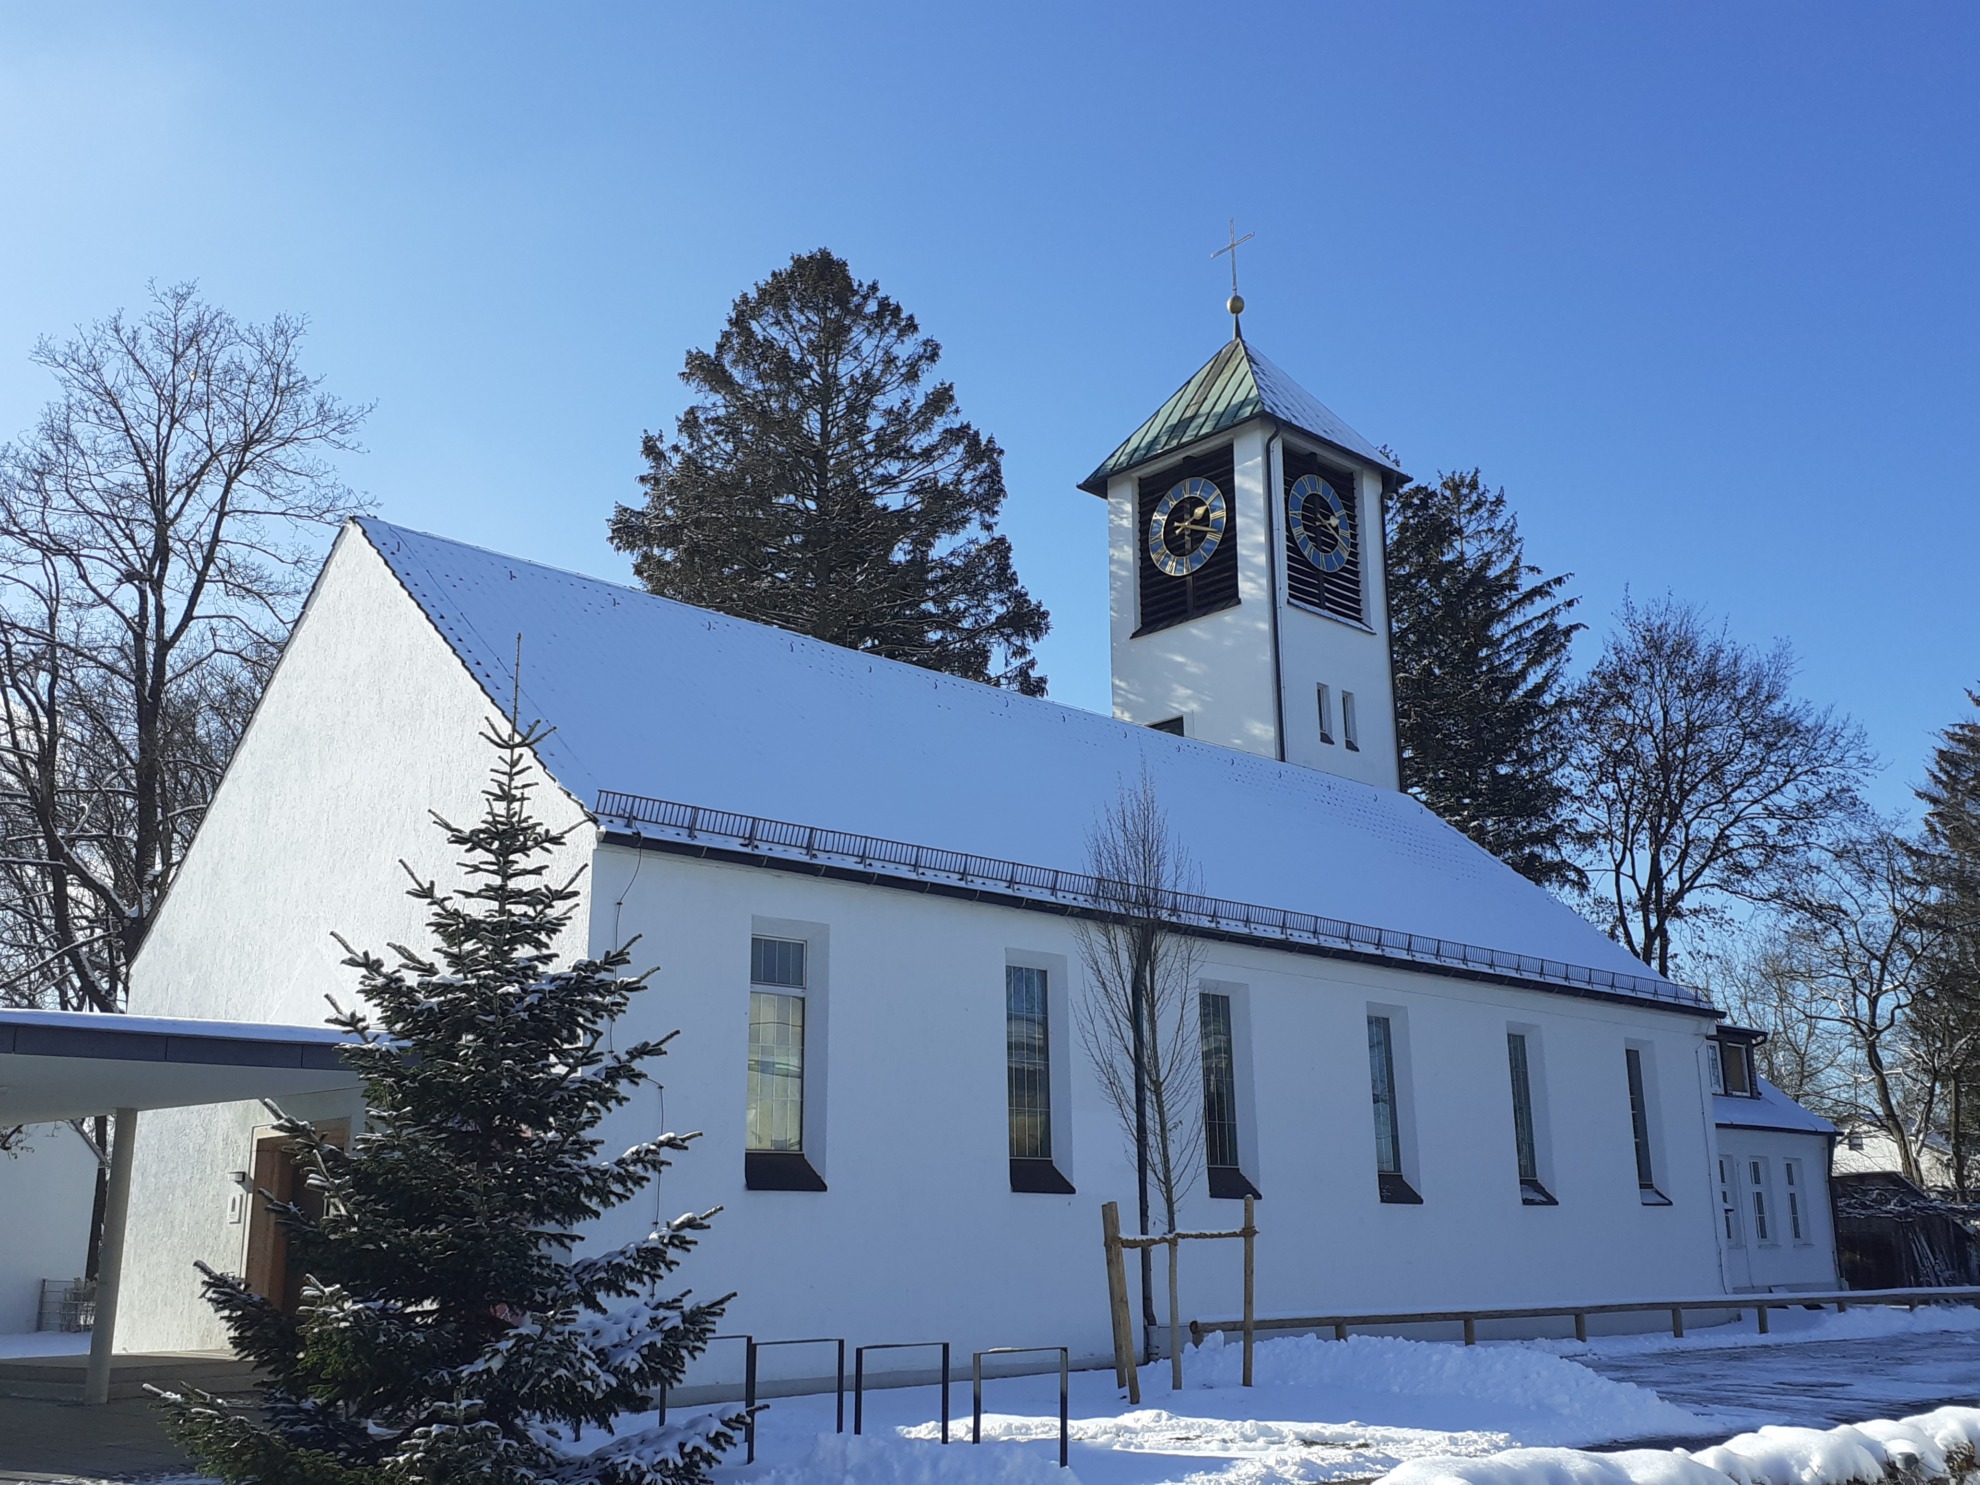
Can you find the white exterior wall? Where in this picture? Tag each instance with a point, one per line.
(369, 723)
(919, 1234)
(46, 1189)
(1217, 672)
(1782, 1261)
(1214, 672)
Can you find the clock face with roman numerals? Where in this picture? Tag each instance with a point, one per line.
(1321, 526)
(1187, 526)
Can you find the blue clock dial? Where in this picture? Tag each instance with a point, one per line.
(1320, 523)
(1187, 526)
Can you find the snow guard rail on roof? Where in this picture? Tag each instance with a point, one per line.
(780, 838)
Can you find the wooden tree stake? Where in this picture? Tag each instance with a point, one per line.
(1250, 1318)
(1126, 1373)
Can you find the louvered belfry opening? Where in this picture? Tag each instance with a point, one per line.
(1169, 600)
(1338, 592)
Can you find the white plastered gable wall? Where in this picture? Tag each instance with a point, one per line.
(370, 722)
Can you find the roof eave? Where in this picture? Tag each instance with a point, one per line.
(1393, 478)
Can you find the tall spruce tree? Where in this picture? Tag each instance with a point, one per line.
(1481, 644)
(822, 482)
(1948, 859)
(449, 1330)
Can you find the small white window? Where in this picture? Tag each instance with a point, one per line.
(1729, 1205)
(1757, 1174)
(1791, 1173)
(1326, 714)
(1350, 734)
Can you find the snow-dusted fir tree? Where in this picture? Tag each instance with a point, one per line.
(449, 1329)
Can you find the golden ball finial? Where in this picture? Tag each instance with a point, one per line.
(1235, 304)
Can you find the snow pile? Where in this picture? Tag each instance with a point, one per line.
(844, 1459)
(1538, 1397)
(1939, 1446)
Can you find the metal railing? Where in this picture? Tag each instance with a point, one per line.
(781, 838)
(1842, 1299)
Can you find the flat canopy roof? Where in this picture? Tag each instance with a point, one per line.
(71, 1064)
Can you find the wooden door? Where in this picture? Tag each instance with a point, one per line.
(277, 1173)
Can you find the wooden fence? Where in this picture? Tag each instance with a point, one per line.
(1760, 1304)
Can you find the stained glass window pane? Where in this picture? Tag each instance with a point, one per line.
(1522, 1095)
(776, 1071)
(1220, 1131)
(1382, 1081)
(1639, 1119)
(1029, 1058)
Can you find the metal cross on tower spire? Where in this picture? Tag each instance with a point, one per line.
(1236, 302)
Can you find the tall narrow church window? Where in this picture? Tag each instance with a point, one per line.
(1791, 1170)
(1639, 1122)
(1326, 699)
(1323, 537)
(1028, 1063)
(773, 1140)
(1525, 1145)
(1222, 1163)
(1388, 1122)
(1350, 732)
(1186, 540)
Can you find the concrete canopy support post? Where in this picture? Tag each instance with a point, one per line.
(110, 1263)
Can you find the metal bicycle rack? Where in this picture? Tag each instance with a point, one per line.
(1065, 1386)
(859, 1377)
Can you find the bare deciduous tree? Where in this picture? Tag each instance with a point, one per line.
(1859, 937)
(153, 553)
(1137, 1017)
(1701, 779)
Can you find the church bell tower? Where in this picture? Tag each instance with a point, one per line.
(1245, 556)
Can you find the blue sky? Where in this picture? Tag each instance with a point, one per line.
(1695, 283)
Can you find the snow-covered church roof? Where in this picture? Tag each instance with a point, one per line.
(665, 701)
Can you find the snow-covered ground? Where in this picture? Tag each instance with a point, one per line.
(1333, 1411)
(45, 1343)
(1326, 1411)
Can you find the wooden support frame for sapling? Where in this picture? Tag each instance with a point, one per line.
(1127, 1371)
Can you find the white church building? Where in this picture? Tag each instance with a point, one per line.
(861, 885)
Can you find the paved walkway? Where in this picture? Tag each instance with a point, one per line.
(65, 1441)
(1817, 1384)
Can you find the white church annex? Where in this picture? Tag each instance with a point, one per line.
(858, 880)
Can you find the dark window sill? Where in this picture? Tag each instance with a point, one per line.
(1395, 1189)
(779, 1170)
(1533, 1194)
(1650, 1196)
(1202, 613)
(1040, 1176)
(1228, 1183)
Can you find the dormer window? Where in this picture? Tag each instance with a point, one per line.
(1732, 1069)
